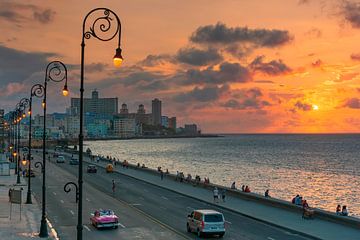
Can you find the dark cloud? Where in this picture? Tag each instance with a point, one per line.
(351, 12)
(227, 73)
(153, 86)
(205, 94)
(264, 81)
(272, 68)
(302, 106)
(355, 56)
(95, 67)
(45, 16)
(352, 103)
(154, 60)
(19, 13)
(221, 34)
(140, 76)
(198, 57)
(302, 2)
(17, 65)
(247, 99)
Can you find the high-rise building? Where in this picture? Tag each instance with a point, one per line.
(172, 123)
(101, 106)
(124, 127)
(141, 109)
(124, 109)
(156, 112)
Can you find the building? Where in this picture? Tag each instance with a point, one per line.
(2, 131)
(190, 129)
(125, 127)
(124, 109)
(165, 121)
(72, 126)
(156, 112)
(101, 106)
(172, 123)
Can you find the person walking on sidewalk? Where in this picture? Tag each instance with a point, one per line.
(161, 174)
(216, 195)
(113, 186)
(223, 195)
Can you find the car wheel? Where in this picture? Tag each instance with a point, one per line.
(199, 233)
(188, 228)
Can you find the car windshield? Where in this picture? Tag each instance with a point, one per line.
(213, 218)
(106, 213)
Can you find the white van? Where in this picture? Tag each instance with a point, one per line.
(204, 222)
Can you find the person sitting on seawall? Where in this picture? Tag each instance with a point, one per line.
(233, 186)
(243, 188)
(307, 211)
(267, 193)
(247, 189)
(344, 211)
(338, 210)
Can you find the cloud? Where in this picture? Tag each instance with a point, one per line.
(264, 81)
(19, 13)
(221, 34)
(95, 67)
(314, 33)
(154, 60)
(355, 56)
(205, 94)
(302, 2)
(303, 106)
(44, 16)
(317, 63)
(227, 73)
(272, 68)
(198, 57)
(246, 99)
(351, 13)
(352, 103)
(17, 66)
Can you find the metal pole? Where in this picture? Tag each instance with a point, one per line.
(28, 196)
(15, 142)
(43, 226)
(81, 139)
(18, 154)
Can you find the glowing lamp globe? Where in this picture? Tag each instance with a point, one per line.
(65, 91)
(118, 59)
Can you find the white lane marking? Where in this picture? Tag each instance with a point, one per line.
(164, 198)
(87, 199)
(62, 201)
(146, 190)
(135, 204)
(87, 228)
(270, 238)
(54, 193)
(121, 225)
(228, 222)
(71, 211)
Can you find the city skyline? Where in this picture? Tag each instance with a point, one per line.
(294, 69)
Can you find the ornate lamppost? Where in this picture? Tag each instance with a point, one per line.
(56, 72)
(102, 29)
(37, 90)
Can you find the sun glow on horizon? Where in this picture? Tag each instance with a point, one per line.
(315, 107)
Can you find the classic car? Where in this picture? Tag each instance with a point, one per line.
(104, 219)
(91, 169)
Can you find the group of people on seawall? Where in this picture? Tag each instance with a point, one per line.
(219, 194)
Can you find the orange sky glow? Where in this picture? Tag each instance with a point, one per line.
(230, 66)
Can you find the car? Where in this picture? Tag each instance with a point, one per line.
(60, 159)
(91, 169)
(109, 168)
(104, 219)
(74, 160)
(32, 174)
(206, 222)
(56, 154)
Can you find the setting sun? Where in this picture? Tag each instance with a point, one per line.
(315, 107)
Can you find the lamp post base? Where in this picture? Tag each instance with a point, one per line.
(43, 229)
(18, 179)
(28, 198)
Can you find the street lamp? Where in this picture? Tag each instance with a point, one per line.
(20, 109)
(36, 91)
(102, 29)
(56, 72)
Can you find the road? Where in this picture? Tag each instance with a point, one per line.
(143, 208)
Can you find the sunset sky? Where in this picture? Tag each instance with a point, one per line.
(279, 66)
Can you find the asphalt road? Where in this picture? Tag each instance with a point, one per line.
(62, 211)
(160, 213)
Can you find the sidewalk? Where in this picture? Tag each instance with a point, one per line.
(14, 228)
(316, 228)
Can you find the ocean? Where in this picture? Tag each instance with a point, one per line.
(323, 168)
